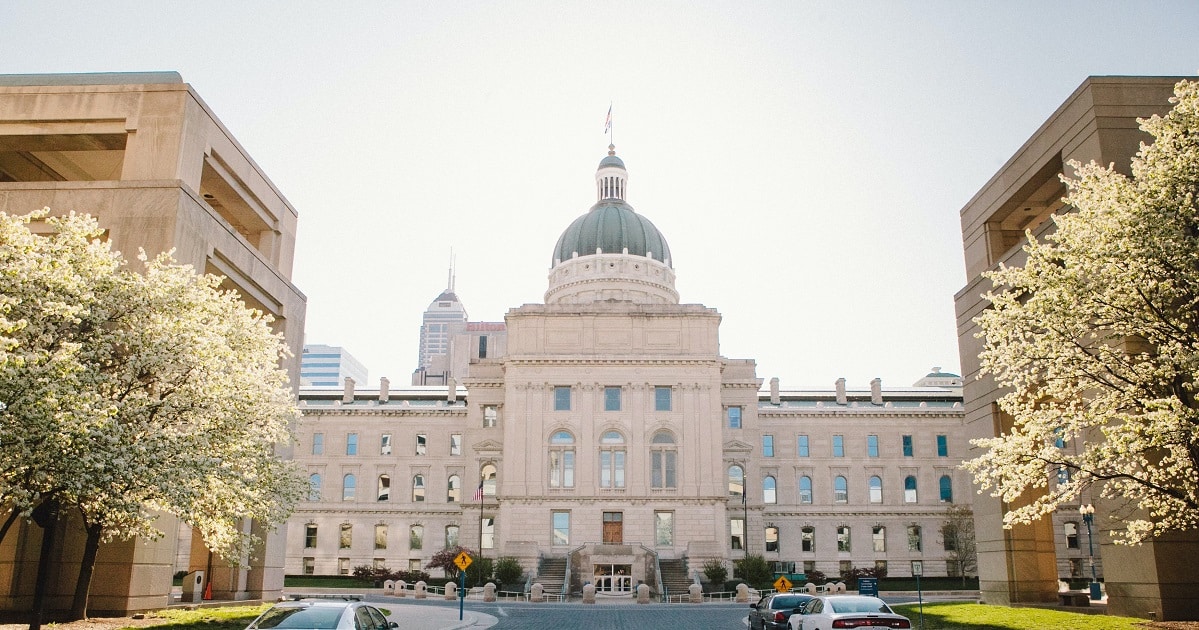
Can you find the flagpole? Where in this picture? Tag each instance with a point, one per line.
(481, 480)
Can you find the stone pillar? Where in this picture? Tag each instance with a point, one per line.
(401, 589)
(451, 590)
(742, 593)
(695, 594)
(588, 593)
(421, 590)
(389, 587)
(537, 593)
(643, 593)
(489, 592)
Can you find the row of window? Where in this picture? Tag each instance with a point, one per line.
(736, 478)
(803, 445)
(349, 487)
(663, 398)
(613, 457)
(421, 446)
(807, 538)
(416, 535)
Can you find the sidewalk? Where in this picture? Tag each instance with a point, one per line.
(434, 617)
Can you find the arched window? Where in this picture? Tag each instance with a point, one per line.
(314, 487)
(418, 488)
(349, 487)
(840, 490)
(663, 461)
(384, 492)
(805, 489)
(736, 481)
(453, 493)
(876, 489)
(909, 489)
(562, 460)
(488, 473)
(769, 491)
(612, 459)
(946, 487)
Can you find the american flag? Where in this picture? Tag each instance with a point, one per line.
(479, 492)
(608, 120)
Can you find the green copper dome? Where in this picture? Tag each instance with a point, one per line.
(612, 226)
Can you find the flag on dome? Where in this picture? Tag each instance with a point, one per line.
(608, 120)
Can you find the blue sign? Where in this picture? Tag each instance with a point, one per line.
(868, 586)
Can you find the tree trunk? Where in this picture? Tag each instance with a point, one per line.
(46, 516)
(87, 566)
(12, 518)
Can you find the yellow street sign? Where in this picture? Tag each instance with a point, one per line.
(463, 560)
(782, 585)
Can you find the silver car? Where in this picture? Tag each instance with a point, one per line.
(827, 612)
(334, 613)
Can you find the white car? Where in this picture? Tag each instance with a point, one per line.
(828, 612)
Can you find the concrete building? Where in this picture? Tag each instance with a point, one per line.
(329, 366)
(1023, 564)
(610, 435)
(449, 342)
(144, 154)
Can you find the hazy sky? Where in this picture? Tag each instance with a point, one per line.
(806, 161)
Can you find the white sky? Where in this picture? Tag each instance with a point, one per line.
(806, 161)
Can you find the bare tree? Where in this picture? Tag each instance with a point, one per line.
(958, 533)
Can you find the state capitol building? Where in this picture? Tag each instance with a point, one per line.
(603, 431)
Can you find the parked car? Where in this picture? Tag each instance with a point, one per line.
(772, 611)
(333, 613)
(826, 612)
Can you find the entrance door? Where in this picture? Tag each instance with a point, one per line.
(613, 528)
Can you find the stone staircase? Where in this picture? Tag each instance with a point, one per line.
(551, 575)
(674, 577)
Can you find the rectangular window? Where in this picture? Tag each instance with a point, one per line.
(737, 533)
(415, 564)
(451, 536)
(1071, 535)
(346, 540)
(907, 446)
(772, 538)
(561, 398)
(767, 446)
(611, 399)
(802, 448)
(845, 567)
(343, 566)
(807, 541)
(318, 443)
(880, 567)
(838, 446)
(561, 528)
(809, 566)
(422, 443)
(385, 444)
(662, 398)
(309, 566)
(663, 469)
(351, 444)
(378, 563)
(942, 446)
(416, 537)
(878, 537)
(872, 446)
(734, 417)
(664, 529)
(487, 537)
(482, 346)
(310, 536)
(843, 538)
(455, 444)
(914, 542)
(491, 414)
(380, 536)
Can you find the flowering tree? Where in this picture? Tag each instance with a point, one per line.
(126, 395)
(1097, 340)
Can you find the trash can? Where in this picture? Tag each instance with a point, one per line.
(1096, 591)
(193, 587)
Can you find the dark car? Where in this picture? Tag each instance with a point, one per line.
(772, 611)
(334, 613)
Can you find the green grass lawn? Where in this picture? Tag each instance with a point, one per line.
(225, 618)
(983, 617)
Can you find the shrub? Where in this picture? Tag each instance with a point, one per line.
(816, 577)
(715, 571)
(755, 571)
(508, 570)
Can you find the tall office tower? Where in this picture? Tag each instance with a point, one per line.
(328, 366)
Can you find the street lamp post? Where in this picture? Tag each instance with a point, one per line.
(1088, 516)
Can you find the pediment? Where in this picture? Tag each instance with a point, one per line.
(737, 446)
(488, 446)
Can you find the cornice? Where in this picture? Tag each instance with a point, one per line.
(383, 411)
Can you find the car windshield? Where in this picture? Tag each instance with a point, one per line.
(787, 602)
(859, 605)
(318, 617)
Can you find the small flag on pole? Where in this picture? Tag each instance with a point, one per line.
(479, 492)
(608, 120)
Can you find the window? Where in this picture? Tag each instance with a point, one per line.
(1075, 567)
(453, 492)
(351, 444)
(378, 563)
(838, 446)
(482, 346)
(733, 414)
(561, 528)
(843, 538)
(384, 488)
(942, 446)
(878, 536)
(663, 529)
(346, 539)
(807, 539)
(737, 533)
(487, 532)
(562, 460)
(349, 487)
(385, 444)
(488, 474)
(662, 398)
(663, 461)
(310, 536)
(314, 487)
(845, 567)
(769, 490)
(416, 537)
(876, 489)
(422, 443)
(612, 456)
(809, 566)
(611, 399)
(802, 448)
(451, 536)
(909, 489)
(562, 398)
(380, 536)
(318, 443)
(415, 564)
(455, 444)
(736, 481)
(767, 446)
(1071, 530)
(1059, 440)
(949, 537)
(907, 446)
(418, 488)
(914, 543)
(880, 567)
(805, 489)
(343, 566)
(491, 415)
(772, 538)
(309, 566)
(872, 446)
(946, 487)
(1063, 476)
(840, 490)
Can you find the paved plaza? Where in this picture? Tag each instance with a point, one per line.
(444, 615)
